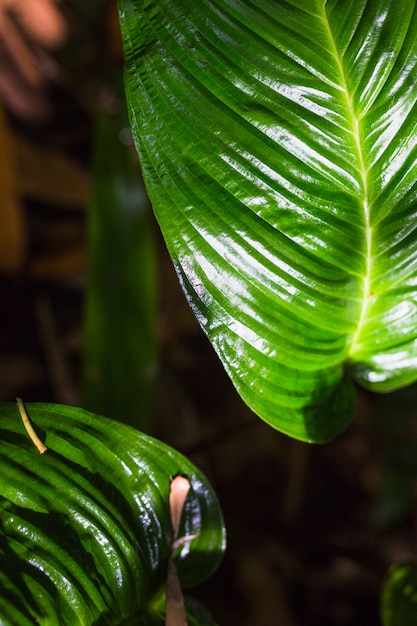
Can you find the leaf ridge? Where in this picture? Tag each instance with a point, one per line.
(363, 173)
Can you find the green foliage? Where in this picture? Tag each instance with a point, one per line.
(278, 146)
(85, 529)
(120, 314)
(399, 596)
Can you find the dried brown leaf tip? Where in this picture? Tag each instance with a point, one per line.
(175, 608)
(179, 488)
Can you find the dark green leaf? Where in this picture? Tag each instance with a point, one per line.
(85, 531)
(278, 142)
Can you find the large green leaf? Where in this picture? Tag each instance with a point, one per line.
(278, 142)
(85, 530)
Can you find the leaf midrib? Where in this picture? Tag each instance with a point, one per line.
(366, 289)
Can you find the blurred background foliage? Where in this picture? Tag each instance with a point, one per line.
(119, 350)
(91, 314)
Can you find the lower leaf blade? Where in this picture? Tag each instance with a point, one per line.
(92, 538)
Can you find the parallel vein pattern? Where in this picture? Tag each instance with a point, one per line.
(85, 529)
(277, 140)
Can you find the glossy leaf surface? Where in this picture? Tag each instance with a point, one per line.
(278, 142)
(85, 531)
(399, 596)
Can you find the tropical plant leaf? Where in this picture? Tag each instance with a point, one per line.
(85, 530)
(278, 143)
(399, 596)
